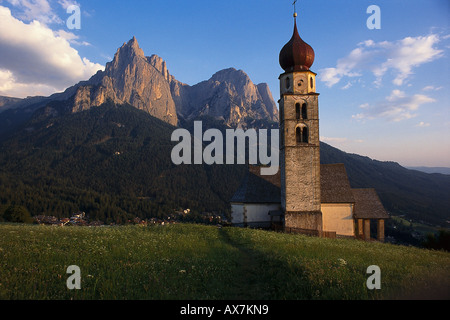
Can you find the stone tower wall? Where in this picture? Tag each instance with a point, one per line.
(300, 161)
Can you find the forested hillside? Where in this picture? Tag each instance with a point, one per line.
(113, 162)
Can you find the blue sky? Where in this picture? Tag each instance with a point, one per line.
(384, 93)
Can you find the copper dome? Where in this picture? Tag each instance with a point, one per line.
(296, 55)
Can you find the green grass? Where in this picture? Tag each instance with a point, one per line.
(207, 263)
(418, 227)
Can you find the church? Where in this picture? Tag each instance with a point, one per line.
(305, 196)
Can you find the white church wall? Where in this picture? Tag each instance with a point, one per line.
(252, 215)
(237, 213)
(338, 217)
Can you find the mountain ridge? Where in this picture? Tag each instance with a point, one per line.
(431, 170)
(145, 83)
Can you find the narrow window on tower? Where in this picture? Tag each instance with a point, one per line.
(305, 135)
(312, 83)
(304, 111)
(297, 111)
(288, 83)
(298, 135)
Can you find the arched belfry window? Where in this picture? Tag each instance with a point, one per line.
(301, 111)
(305, 135)
(298, 135)
(304, 111)
(302, 134)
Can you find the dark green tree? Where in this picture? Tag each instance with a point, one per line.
(17, 214)
(2, 211)
(441, 241)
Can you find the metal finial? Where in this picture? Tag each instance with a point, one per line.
(295, 10)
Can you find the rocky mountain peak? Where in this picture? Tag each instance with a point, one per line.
(229, 95)
(160, 65)
(230, 75)
(132, 48)
(131, 78)
(128, 53)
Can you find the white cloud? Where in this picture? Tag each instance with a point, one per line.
(9, 87)
(341, 142)
(67, 3)
(333, 139)
(347, 86)
(345, 67)
(71, 37)
(423, 124)
(432, 88)
(37, 60)
(378, 58)
(40, 10)
(396, 107)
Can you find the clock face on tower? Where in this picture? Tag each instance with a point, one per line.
(302, 82)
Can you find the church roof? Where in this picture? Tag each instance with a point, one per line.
(296, 55)
(334, 184)
(335, 188)
(256, 188)
(368, 205)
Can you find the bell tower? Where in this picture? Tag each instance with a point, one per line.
(299, 132)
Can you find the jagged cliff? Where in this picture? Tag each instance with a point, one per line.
(129, 78)
(145, 83)
(229, 95)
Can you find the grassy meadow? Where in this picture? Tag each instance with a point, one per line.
(196, 262)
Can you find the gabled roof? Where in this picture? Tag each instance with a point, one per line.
(256, 188)
(334, 184)
(368, 205)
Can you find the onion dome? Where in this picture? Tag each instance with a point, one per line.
(296, 55)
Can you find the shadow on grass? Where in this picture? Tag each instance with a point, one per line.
(263, 277)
